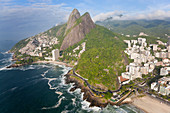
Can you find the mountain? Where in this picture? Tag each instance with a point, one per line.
(96, 53)
(77, 28)
(157, 28)
(61, 36)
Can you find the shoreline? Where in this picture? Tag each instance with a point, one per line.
(46, 62)
(88, 95)
(150, 105)
(54, 62)
(146, 103)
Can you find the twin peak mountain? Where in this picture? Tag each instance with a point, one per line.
(67, 35)
(77, 27)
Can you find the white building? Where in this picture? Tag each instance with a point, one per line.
(155, 47)
(164, 71)
(154, 86)
(134, 55)
(55, 54)
(142, 41)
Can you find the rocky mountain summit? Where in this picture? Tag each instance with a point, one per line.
(60, 37)
(77, 28)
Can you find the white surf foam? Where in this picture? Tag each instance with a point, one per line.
(120, 110)
(71, 86)
(77, 91)
(74, 101)
(86, 104)
(44, 73)
(60, 93)
(51, 79)
(30, 67)
(65, 111)
(4, 68)
(65, 71)
(12, 89)
(55, 106)
(132, 109)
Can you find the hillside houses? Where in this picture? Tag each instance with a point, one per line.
(38, 44)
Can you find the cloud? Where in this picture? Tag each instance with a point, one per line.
(22, 21)
(104, 16)
(158, 14)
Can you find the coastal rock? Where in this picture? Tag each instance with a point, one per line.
(95, 101)
(15, 65)
(73, 89)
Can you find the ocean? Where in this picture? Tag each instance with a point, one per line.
(40, 88)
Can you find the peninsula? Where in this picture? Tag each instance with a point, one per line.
(110, 68)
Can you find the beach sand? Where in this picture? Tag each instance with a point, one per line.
(151, 105)
(54, 62)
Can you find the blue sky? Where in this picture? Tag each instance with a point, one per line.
(20, 19)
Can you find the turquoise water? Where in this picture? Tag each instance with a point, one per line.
(40, 88)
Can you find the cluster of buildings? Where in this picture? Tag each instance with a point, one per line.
(37, 45)
(56, 53)
(162, 86)
(80, 49)
(144, 59)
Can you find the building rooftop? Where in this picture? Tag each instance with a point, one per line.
(123, 79)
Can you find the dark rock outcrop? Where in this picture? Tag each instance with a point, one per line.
(95, 101)
(15, 65)
(77, 28)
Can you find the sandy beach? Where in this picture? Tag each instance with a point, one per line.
(150, 105)
(54, 62)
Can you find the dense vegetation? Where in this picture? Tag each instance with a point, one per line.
(157, 28)
(103, 59)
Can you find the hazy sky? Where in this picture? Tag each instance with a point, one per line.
(20, 19)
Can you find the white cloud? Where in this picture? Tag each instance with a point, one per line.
(157, 14)
(103, 16)
(30, 19)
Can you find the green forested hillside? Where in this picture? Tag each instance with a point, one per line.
(103, 59)
(157, 28)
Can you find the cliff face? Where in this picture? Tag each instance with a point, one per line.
(77, 28)
(72, 19)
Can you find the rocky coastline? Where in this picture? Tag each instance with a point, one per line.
(15, 65)
(94, 101)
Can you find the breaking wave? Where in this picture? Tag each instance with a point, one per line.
(55, 106)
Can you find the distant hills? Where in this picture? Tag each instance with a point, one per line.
(157, 28)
